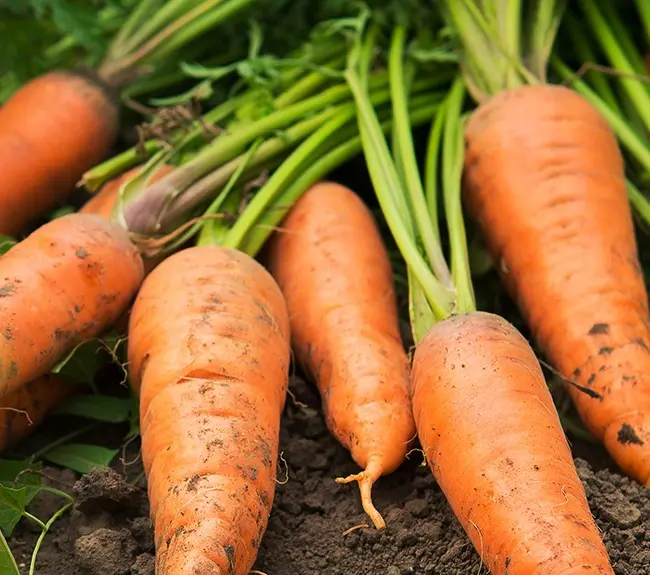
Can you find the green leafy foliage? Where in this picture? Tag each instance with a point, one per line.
(80, 457)
(8, 564)
(98, 407)
(17, 488)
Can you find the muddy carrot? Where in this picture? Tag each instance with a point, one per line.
(66, 282)
(209, 355)
(549, 195)
(484, 415)
(333, 268)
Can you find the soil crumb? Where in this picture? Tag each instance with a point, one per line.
(311, 531)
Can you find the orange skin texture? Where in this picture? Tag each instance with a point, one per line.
(544, 180)
(66, 282)
(52, 130)
(333, 268)
(209, 355)
(495, 445)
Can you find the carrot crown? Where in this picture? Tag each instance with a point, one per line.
(409, 204)
(503, 46)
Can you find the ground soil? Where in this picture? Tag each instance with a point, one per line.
(108, 531)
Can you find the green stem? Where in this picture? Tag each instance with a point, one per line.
(315, 172)
(413, 184)
(34, 519)
(137, 20)
(46, 527)
(643, 7)
(431, 170)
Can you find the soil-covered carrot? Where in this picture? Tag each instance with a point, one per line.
(52, 130)
(333, 268)
(545, 181)
(66, 282)
(483, 412)
(209, 353)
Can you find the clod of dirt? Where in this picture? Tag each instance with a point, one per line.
(144, 565)
(106, 552)
(102, 487)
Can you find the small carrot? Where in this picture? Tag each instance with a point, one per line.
(483, 412)
(52, 130)
(545, 180)
(209, 353)
(333, 268)
(66, 282)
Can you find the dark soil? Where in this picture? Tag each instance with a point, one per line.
(108, 532)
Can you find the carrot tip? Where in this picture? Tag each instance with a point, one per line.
(366, 480)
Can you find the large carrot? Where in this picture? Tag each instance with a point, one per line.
(209, 354)
(333, 269)
(483, 412)
(545, 181)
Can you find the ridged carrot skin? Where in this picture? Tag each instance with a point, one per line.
(333, 268)
(494, 442)
(65, 283)
(544, 179)
(209, 354)
(52, 130)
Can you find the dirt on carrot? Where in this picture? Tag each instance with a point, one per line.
(311, 513)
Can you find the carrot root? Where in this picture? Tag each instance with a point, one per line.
(366, 480)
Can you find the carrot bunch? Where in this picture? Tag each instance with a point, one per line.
(484, 415)
(545, 181)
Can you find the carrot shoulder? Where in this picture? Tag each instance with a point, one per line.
(66, 282)
(494, 442)
(548, 191)
(334, 271)
(209, 353)
(52, 130)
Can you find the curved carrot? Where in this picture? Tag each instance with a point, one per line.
(333, 269)
(548, 191)
(209, 354)
(66, 282)
(52, 130)
(494, 442)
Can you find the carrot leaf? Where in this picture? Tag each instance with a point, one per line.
(80, 457)
(99, 407)
(8, 563)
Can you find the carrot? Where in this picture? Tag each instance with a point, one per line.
(333, 269)
(484, 415)
(66, 282)
(51, 130)
(545, 181)
(209, 354)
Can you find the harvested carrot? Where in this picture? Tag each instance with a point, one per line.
(333, 268)
(52, 130)
(22, 410)
(209, 353)
(484, 415)
(544, 179)
(66, 282)
(494, 442)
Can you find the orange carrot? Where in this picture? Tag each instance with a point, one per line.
(331, 264)
(209, 355)
(52, 130)
(66, 282)
(495, 445)
(558, 220)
